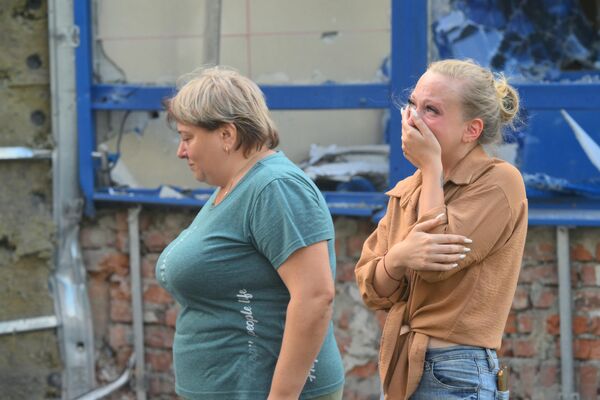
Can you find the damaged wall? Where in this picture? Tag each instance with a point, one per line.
(530, 345)
(30, 365)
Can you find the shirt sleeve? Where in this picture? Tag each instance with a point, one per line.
(482, 213)
(374, 248)
(287, 215)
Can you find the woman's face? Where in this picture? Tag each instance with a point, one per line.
(437, 100)
(203, 150)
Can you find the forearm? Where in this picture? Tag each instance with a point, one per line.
(382, 282)
(307, 321)
(432, 190)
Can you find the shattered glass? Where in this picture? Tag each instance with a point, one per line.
(537, 40)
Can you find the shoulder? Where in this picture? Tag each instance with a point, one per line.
(278, 170)
(504, 182)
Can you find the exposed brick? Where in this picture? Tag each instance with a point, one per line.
(553, 324)
(549, 374)
(160, 384)
(589, 275)
(524, 348)
(155, 241)
(598, 251)
(159, 360)
(511, 323)
(355, 244)
(545, 274)
(96, 237)
(525, 322)
(364, 371)
(123, 356)
(121, 223)
(587, 349)
(506, 349)
(159, 336)
(580, 253)
(345, 271)
(546, 297)
(587, 299)
(120, 288)
(155, 294)
(149, 265)
(116, 263)
(595, 326)
(120, 335)
(381, 316)
(120, 311)
(521, 299)
(98, 290)
(581, 324)
(343, 320)
(589, 382)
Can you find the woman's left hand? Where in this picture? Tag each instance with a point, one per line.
(419, 144)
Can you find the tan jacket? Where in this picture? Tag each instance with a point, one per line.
(485, 201)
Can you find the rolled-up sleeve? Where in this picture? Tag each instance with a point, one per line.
(374, 248)
(483, 214)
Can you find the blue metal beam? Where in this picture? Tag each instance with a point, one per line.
(290, 97)
(85, 114)
(555, 96)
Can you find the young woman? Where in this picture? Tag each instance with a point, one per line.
(445, 258)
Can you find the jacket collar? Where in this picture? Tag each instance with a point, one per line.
(471, 167)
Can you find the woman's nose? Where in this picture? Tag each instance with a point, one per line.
(181, 150)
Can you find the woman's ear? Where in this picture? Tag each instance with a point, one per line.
(473, 131)
(228, 134)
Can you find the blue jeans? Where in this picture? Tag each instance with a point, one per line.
(459, 372)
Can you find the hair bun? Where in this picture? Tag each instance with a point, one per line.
(508, 99)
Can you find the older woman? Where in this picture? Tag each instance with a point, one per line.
(254, 271)
(445, 258)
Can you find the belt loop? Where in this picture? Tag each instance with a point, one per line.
(490, 358)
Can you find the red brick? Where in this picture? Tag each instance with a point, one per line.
(598, 251)
(595, 326)
(159, 336)
(343, 341)
(116, 263)
(120, 335)
(120, 288)
(171, 315)
(343, 320)
(122, 241)
(98, 290)
(511, 323)
(149, 265)
(581, 324)
(587, 349)
(553, 324)
(345, 271)
(96, 237)
(545, 298)
(525, 322)
(121, 222)
(155, 241)
(521, 299)
(524, 348)
(160, 385)
(123, 356)
(506, 349)
(159, 360)
(367, 370)
(355, 245)
(549, 375)
(589, 382)
(120, 311)
(157, 295)
(588, 275)
(587, 299)
(580, 253)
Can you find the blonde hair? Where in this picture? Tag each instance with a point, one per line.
(484, 94)
(218, 95)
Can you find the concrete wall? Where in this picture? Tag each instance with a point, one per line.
(29, 362)
(530, 345)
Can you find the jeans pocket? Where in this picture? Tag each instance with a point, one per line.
(461, 374)
(502, 395)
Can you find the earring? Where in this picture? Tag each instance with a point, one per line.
(227, 150)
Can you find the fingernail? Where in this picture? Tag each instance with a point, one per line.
(466, 249)
(440, 216)
(468, 241)
(454, 265)
(461, 256)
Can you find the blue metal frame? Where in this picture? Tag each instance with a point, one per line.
(408, 60)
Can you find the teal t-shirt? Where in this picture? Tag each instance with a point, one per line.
(222, 270)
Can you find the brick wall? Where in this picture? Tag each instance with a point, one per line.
(530, 346)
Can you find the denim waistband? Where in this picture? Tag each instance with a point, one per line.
(458, 352)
